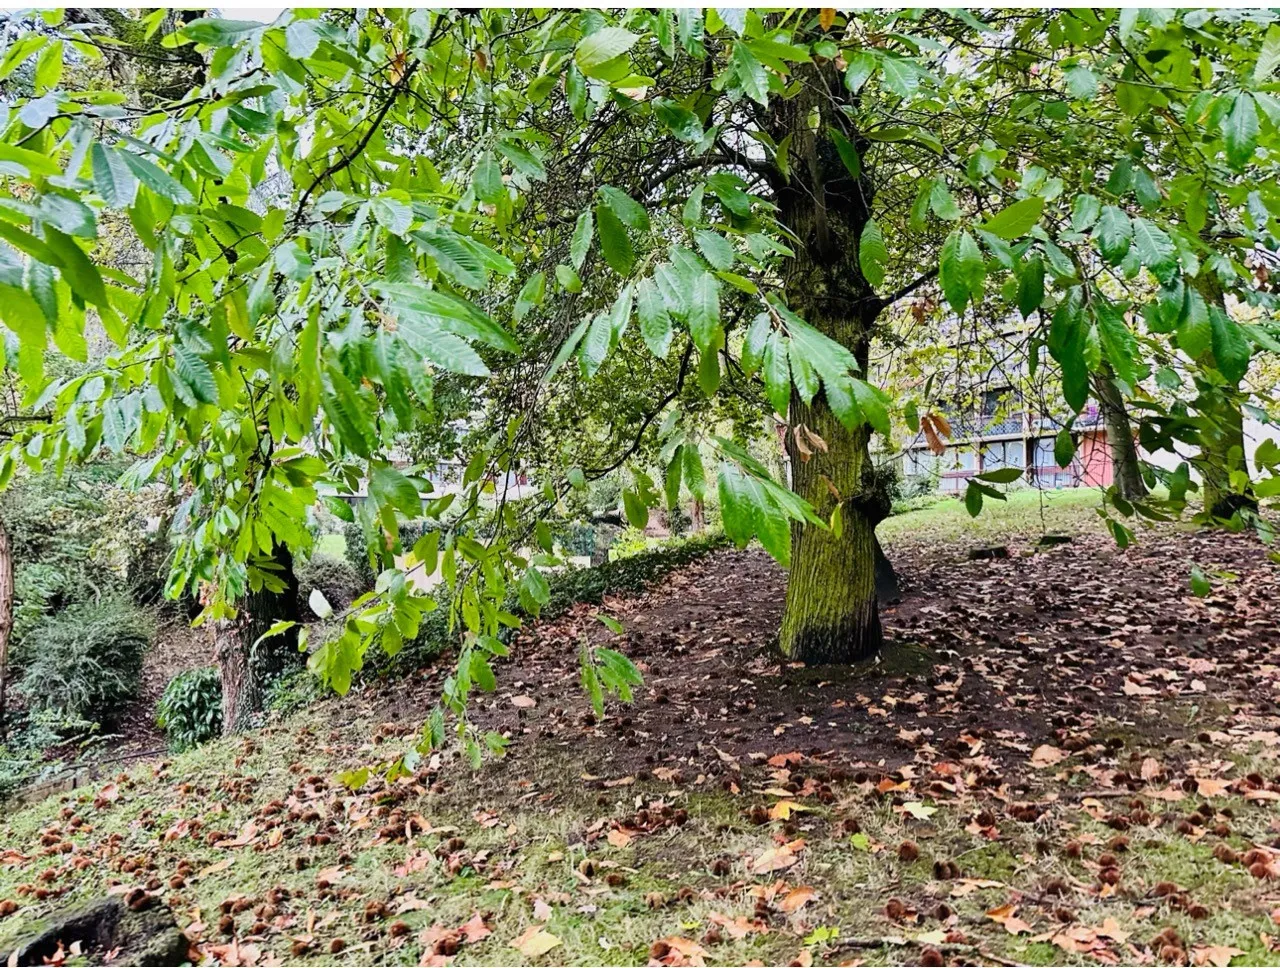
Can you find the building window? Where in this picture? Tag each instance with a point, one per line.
(1003, 453)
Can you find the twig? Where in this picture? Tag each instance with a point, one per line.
(860, 944)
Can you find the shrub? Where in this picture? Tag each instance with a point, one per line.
(337, 578)
(293, 691)
(190, 709)
(86, 661)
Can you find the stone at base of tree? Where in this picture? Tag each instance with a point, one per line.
(991, 551)
(149, 937)
(887, 590)
(1053, 540)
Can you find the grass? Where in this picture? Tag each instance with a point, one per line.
(1026, 511)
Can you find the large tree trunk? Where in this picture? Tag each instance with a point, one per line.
(1120, 438)
(831, 613)
(6, 618)
(246, 671)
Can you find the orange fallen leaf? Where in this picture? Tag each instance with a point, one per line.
(796, 898)
(1046, 756)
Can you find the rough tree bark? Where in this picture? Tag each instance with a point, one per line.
(6, 618)
(831, 615)
(246, 671)
(1120, 438)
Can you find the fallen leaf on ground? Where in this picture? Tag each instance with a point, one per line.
(535, 942)
(796, 898)
(1219, 955)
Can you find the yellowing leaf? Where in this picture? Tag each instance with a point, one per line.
(535, 942)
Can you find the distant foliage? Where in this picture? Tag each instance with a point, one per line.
(86, 661)
(337, 578)
(190, 710)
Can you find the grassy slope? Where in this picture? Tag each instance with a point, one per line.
(532, 846)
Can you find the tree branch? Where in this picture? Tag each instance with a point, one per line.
(909, 288)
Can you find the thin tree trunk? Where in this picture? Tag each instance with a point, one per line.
(246, 671)
(6, 619)
(697, 519)
(1126, 467)
(831, 612)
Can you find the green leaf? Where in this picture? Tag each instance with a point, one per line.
(680, 121)
(596, 343)
(596, 50)
(1005, 475)
(901, 76)
(531, 294)
(671, 480)
(716, 248)
(961, 269)
(1230, 347)
(1240, 129)
(973, 499)
(1017, 219)
(628, 210)
(581, 242)
(777, 373)
(195, 375)
(861, 66)
(388, 486)
(1200, 584)
(1155, 249)
(112, 178)
(615, 244)
(695, 477)
(77, 268)
(655, 324)
(158, 180)
(523, 160)
(1113, 233)
(1031, 286)
(942, 202)
(1268, 57)
(216, 32)
(1064, 448)
(487, 179)
(704, 311)
(848, 153)
(750, 74)
(1085, 210)
(873, 255)
(1118, 343)
(636, 510)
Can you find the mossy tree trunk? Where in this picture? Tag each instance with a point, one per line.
(831, 614)
(248, 671)
(1126, 467)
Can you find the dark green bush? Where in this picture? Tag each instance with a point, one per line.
(339, 581)
(190, 709)
(86, 660)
